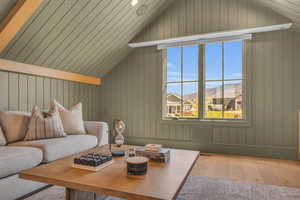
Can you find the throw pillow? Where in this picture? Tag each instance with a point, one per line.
(44, 125)
(2, 138)
(14, 125)
(71, 119)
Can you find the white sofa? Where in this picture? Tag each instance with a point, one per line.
(21, 155)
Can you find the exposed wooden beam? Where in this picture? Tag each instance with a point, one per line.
(12, 66)
(16, 18)
(210, 36)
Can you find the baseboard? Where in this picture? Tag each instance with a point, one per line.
(278, 152)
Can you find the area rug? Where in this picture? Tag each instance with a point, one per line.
(205, 188)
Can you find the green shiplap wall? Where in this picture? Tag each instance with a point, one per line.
(21, 92)
(132, 90)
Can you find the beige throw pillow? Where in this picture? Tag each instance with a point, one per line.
(71, 119)
(44, 125)
(2, 138)
(14, 125)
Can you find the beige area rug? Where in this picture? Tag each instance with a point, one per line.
(205, 188)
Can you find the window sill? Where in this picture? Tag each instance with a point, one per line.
(208, 123)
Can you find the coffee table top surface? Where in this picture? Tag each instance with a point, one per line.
(162, 181)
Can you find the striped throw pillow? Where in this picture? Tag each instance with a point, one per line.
(44, 125)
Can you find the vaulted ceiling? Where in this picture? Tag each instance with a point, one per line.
(5, 7)
(87, 37)
(91, 36)
(287, 8)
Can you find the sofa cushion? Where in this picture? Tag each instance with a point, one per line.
(57, 148)
(13, 187)
(14, 125)
(44, 125)
(71, 119)
(15, 159)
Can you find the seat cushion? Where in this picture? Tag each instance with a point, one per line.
(13, 187)
(16, 159)
(57, 148)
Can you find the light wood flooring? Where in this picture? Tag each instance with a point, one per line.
(249, 169)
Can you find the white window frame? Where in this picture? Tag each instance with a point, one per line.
(181, 82)
(244, 121)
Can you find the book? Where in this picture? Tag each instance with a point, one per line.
(153, 147)
(162, 156)
(92, 168)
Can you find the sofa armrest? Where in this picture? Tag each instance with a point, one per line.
(98, 129)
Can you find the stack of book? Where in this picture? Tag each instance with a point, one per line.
(154, 152)
(153, 147)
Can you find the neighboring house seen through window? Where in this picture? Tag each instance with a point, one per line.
(205, 81)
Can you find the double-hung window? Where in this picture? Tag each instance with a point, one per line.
(205, 82)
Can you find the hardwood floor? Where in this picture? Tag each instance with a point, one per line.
(249, 169)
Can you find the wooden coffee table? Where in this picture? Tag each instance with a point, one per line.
(162, 181)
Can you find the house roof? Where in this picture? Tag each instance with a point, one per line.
(176, 99)
(91, 36)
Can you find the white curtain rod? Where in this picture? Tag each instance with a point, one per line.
(210, 36)
(202, 41)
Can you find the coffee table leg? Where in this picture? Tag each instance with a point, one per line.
(81, 195)
(100, 197)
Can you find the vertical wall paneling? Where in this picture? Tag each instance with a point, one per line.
(13, 92)
(4, 90)
(21, 92)
(60, 91)
(47, 93)
(90, 102)
(31, 92)
(66, 94)
(71, 94)
(53, 90)
(77, 92)
(40, 92)
(271, 65)
(82, 97)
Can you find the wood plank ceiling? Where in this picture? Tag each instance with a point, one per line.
(5, 7)
(287, 8)
(91, 36)
(87, 37)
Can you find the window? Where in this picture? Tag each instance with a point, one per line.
(182, 82)
(205, 82)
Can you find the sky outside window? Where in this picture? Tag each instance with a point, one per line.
(174, 64)
(213, 63)
(233, 54)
